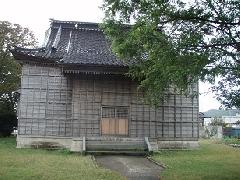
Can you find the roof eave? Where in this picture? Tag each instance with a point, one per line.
(20, 56)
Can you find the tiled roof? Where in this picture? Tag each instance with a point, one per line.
(72, 42)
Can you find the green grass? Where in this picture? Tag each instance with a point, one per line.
(213, 161)
(31, 164)
(228, 140)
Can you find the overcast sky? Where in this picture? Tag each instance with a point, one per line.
(36, 14)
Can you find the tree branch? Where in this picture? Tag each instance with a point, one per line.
(216, 45)
(199, 19)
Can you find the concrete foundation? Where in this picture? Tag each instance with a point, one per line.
(80, 144)
(43, 142)
(178, 145)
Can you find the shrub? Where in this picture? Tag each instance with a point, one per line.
(7, 122)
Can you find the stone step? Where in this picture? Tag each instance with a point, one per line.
(107, 144)
(115, 147)
(110, 138)
(122, 152)
(128, 146)
(115, 144)
(109, 141)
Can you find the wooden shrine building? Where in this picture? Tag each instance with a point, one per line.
(74, 94)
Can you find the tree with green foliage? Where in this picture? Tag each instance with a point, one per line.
(217, 122)
(178, 43)
(10, 71)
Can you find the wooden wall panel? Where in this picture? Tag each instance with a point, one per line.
(45, 102)
(53, 104)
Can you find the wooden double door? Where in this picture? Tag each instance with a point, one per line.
(114, 121)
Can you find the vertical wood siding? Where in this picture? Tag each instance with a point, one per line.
(176, 118)
(45, 102)
(52, 104)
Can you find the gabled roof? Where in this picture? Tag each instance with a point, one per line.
(72, 42)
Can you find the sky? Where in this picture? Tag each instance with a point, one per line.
(35, 15)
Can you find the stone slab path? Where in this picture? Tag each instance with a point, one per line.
(132, 167)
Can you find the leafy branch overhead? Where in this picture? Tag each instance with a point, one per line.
(10, 71)
(178, 42)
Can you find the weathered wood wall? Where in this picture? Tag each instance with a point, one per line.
(176, 118)
(54, 104)
(89, 95)
(45, 102)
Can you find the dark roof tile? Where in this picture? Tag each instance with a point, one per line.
(74, 42)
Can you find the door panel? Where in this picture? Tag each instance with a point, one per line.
(114, 121)
(112, 126)
(122, 126)
(105, 125)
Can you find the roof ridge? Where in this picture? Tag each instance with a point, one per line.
(72, 22)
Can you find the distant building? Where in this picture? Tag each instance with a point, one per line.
(231, 120)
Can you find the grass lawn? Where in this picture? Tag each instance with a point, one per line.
(212, 161)
(228, 140)
(43, 164)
